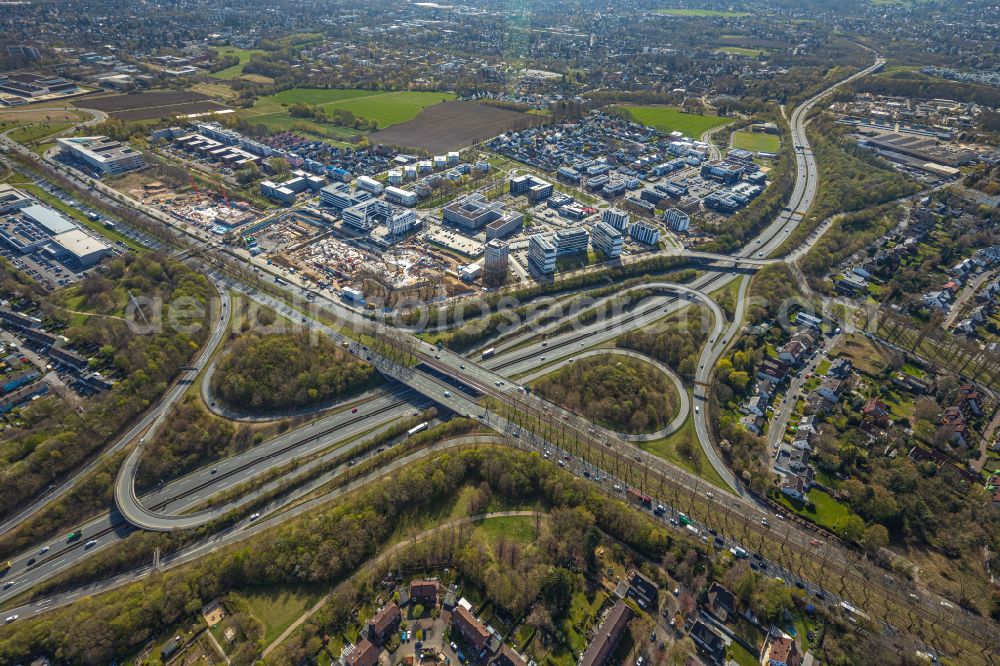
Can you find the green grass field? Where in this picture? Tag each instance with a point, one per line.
(828, 511)
(684, 449)
(700, 13)
(667, 119)
(384, 107)
(277, 607)
(516, 528)
(235, 71)
(756, 142)
(739, 50)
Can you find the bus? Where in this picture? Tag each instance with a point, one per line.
(417, 428)
(488, 353)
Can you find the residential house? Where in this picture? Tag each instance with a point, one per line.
(707, 639)
(608, 636)
(808, 426)
(780, 650)
(955, 419)
(795, 486)
(830, 389)
(721, 602)
(840, 368)
(772, 370)
(753, 423)
(970, 401)
(937, 300)
(472, 631)
(817, 404)
(506, 656)
(424, 592)
(645, 592)
(794, 461)
(757, 405)
(875, 411)
(384, 623)
(792, 352)
(362, 654)
(908, 382)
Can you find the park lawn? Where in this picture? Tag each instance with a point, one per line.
(235, 71)
(669, 119)
(827, 511)
(278, 606)
(700, 13)
(756, 142)
(29, 133)
(675, 447)
(823, 367)
(515, 528)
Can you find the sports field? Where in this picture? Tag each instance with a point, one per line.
(384, 107)
(756, 142)
(668, 119)
(700, 13)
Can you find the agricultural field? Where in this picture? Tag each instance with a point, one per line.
(235, 71)
(700, 13)
(668, 119)
(453, 125)
(384, 107)
(756, 142)
(739, 50)
(149, 105)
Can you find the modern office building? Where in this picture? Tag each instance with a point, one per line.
(572, 240)
(646, 233)
(103, 154)
(607, 240)
(720, 172)
(618, 219)
(337, 196)
(400, 196)
(495, 263)
(473, 212)
(535, 188)
(505, 226)
(542, 253)
(368, 185)
(677, 219)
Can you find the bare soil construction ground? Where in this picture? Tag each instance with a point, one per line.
(143, 106)
(453, 125)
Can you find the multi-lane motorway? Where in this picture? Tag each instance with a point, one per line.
(162, 508)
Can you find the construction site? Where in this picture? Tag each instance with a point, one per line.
(204, 209)
(335, 260)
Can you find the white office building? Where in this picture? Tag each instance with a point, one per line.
(368, 185)
(678, 220)
(542, 254)
(643, 232)
(618, 219)
(607, 240)
(572, 240)
(103, 154)
(400, 196)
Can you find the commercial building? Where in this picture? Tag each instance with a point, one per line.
(473, 212)
(37, 228)
(495, 263)
(618, 219)
(542, 253)
(721, 172)
(400, 196)
(533, 187)
(677, 219)
(12, 198)
(368, 185)
(572, 240)
(367, 215)
(298, 181)
(103, 154)
(338, 196)
(607, 240)
(644, 233)
(507, 225)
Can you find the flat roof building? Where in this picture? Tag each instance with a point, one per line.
(607, 240)
(572, 240)
(618, 219)
(542, 253)
(12, 198)
(677, 219)
(495, 263)
(103, 154)
(79, 247)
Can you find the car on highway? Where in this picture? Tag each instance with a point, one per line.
(44, 550)
(90, 544)
(354, 410)
(447, 394)
(764, 522)
(31, 561)
(10, 618)
(254, 516)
